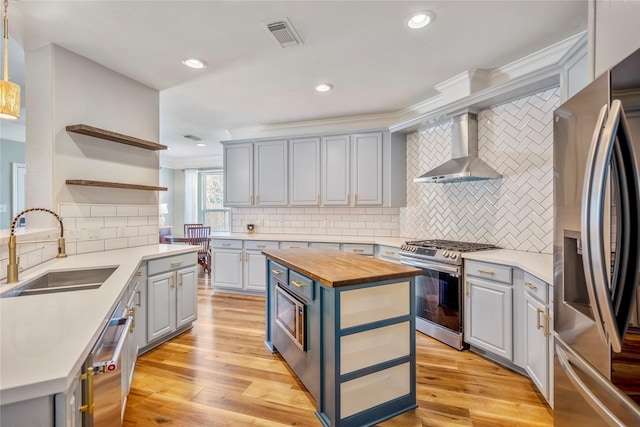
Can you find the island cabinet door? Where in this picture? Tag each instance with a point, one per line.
(369, 339)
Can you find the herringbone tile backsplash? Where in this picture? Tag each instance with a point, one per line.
(515, 212)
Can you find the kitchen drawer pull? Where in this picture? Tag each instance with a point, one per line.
(226, 244)
(539, 324)
(490, 272)
(176, 264)
(358, 250)
(297, 284)
(139, 274)
(261, 246)
(276, 272)
(389, 252)
(531, 286)
(294, 247)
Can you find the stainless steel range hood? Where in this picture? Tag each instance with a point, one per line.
(465, 164)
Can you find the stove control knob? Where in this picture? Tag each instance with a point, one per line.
(414, 249)
(446, 254)
(456, 256)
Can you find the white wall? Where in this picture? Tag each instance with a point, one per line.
(66, 89)
(615, 32)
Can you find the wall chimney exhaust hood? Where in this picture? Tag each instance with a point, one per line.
(465, 164)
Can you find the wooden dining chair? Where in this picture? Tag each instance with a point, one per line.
(200, 236)
(187, 226)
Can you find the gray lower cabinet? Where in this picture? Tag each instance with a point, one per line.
(488, 308)
(172, 290)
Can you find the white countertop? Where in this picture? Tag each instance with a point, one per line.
(537, 264)
(44, 339)
(388, 241)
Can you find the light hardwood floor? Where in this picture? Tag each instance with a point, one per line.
(221, 374)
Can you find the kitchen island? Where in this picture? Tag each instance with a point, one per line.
(345, 324)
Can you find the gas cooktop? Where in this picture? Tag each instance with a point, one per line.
(447, 251)
(451, 245)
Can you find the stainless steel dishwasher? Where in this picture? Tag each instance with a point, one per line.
(103, 372)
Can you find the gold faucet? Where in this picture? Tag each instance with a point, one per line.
(12, 267)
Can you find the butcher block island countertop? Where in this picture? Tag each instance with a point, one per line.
(345, 325)
(335, 268)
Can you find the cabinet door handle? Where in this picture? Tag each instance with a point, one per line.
(356, 197)
(276, 272)
(297, 284)
(539, 323)
(490, 272)
(180, 276)
(88, 377)
(176, 264)
(466, 288)
(531, 286)
(318, 199)
(546, 325)
(139, 303)
(132, 314)
(173, 284)
(257, 200)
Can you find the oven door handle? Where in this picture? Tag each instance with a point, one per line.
(454, 271)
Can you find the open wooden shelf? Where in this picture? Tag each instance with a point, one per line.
(115, 137)
(114, 185)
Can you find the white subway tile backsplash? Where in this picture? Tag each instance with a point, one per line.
(90, 246)
(127, 210)
(112, 244)
(74, 210)
(103, 210)
(149, 211)
(139, 241)
(515, 212)
(137, 221)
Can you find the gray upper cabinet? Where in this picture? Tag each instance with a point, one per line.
(335, 170)
(367, 169)
(304, 172)
(238, 175)
(270, 184)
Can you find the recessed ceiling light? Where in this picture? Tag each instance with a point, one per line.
(201, 145)
(196, 63)
(420, 20)
(324, 87)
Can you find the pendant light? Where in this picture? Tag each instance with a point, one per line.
(9, 92)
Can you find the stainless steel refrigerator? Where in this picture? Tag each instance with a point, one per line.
(596, 252)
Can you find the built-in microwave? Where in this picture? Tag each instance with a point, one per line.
(290, 316)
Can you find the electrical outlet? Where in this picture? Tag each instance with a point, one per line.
(3, 208)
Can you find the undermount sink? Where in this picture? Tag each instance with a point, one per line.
(62, 281)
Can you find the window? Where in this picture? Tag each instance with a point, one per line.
(214, 214)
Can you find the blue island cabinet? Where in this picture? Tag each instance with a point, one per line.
(357, 357)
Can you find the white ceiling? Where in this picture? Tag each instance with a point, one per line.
(376, 64)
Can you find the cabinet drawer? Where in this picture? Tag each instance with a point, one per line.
(495, 272)
(293, 245)
(325, 245)
(258, 245)
(155, 266)
(226, 243)
(278, 273)
(374, 346)
(536, 287)
(389, 253)
(301, 285)
(358, 249)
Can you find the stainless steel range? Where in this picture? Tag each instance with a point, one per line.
(439, 289)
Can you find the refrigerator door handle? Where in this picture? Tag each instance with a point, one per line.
(631, 412)
(591, 212)
(613, 295)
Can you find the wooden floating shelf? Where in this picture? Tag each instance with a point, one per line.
(115, 137)
(106, 184)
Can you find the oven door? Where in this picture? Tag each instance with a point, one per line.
(290, 316)
(438, 296)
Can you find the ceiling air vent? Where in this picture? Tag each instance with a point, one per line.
(283, 32)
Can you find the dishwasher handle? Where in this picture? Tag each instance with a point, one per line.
(111, 363)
